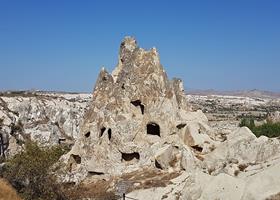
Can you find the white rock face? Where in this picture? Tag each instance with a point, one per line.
(241, 168)
(165, 156)
(49, 118)
(274, 117)
(238, 166)
(223, 186)
(263, 184)
(136, 119)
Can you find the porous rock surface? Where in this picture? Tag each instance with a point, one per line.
(45, 117)
(139, 119)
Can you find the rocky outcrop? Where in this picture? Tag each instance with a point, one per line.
(138, 117)
(48, 118)
(242, 167)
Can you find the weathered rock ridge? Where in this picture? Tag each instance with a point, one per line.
(46, 117)
(137, 118)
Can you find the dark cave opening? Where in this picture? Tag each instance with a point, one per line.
(180, 126)
(95, 173)
(130, 156)
(77, 158)
(110, 134)
(153, 129)
(197, 148)
(87, 134)
(102, 130)
(137, 103)
(157, 165)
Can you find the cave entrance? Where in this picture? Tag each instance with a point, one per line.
(93, 173)
(76, 158)
(102, 130)
(137, 103)
(197, 148)
(87, 134)
(157, 165)
(153, 129)
(109, 134)
(180, 126)
(130, 156)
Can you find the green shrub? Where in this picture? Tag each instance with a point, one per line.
(249, 122)
(30, 172)
(268, 129)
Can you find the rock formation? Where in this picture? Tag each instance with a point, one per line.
(242, 167)
(139, 128)
(45, 117)
(137, 118)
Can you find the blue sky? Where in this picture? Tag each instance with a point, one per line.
(210, 44)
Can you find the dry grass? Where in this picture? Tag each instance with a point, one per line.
(106, 189)
(99, 189)
(274, 197)
(7, 192)
(242, 167)
(148, 178)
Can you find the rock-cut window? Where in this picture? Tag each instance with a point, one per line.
(153, 129)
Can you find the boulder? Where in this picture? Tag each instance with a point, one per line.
(195, 135)
(165, 157)
(224, 187)
(263, 185)
(188, 160)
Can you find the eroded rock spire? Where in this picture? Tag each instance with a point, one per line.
(134, 117)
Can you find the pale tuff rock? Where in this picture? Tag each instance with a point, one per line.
(135, 118)
(188, 160)
(198, 185)
(259, 186)
(263, 185)
(202, 186)
(48, 118)
(274, 117)
(139, 119)
(213, 166)
(241, 153)
(165, 156)
(221, 186)
(196, 134)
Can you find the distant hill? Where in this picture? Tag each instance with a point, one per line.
(244, 93)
